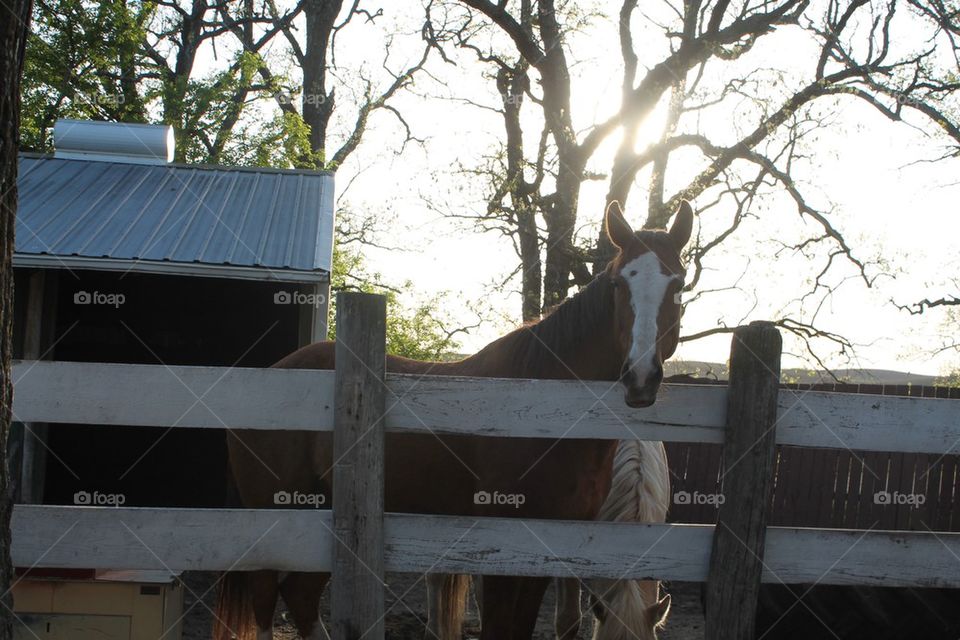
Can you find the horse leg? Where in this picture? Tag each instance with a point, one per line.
(498, 598)
(569, 614)
(529, 599)
(510, 607)
(263, 598)
(478, 595)
(434, 604)
(302, 591)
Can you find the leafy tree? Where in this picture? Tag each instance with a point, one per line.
(317, 87)
(420, 331)
(81, 63)
(136, 62)
(952, 379)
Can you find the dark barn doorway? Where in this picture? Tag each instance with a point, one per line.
(105, 316)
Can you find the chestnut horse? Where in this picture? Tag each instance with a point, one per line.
(620, 327)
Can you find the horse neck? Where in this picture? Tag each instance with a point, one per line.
(574, 341)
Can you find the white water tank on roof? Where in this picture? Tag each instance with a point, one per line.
(113, 141)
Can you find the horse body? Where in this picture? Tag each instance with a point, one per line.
(568, 482)
(590, 336)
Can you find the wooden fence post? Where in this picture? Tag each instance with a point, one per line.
(736, 561)
(357, 598)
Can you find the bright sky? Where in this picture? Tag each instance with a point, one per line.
(863, 169)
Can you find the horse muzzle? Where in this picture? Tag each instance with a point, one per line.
(640, 397)
(639, 393)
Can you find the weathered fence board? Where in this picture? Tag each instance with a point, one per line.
(212, 397)
(87, 393)
(177, 539)
(112, 394)
(548, 408)
(749, 455)
(866, 558)
(868, 422)
(567, 549)
(357, 598)
(221, 539)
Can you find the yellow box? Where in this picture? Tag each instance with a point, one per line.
(115, 605)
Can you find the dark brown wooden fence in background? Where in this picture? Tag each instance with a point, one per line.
(834, 488)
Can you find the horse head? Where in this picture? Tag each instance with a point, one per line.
(648, 276)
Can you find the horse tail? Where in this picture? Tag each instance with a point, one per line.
(234, 619)
(453, 603)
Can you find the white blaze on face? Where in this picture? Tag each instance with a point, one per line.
(648, 285)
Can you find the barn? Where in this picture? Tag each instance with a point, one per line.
(124, 256)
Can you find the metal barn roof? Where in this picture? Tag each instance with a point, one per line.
(189, 219)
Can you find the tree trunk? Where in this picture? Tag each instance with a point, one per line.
(556, 276)
(176, 82)
(14, 18)
(658, 214)
(317, 103)
(562, 216)
(532, 274)
(513, 84)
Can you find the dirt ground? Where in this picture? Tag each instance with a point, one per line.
(406, 615)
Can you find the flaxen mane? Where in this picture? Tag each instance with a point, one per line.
(639, 492)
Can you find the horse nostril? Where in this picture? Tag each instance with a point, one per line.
(656, 376)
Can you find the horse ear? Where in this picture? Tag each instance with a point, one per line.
(618, 229)
(659, 611)
(682, 225)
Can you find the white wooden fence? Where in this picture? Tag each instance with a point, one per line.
(241, 540)
(237, 539)
(217, 397)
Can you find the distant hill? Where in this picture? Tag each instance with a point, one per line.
(851, 376)
(718, 371)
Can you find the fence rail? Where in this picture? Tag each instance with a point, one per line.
(209, 397)
(245, 540)
(275, 399)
